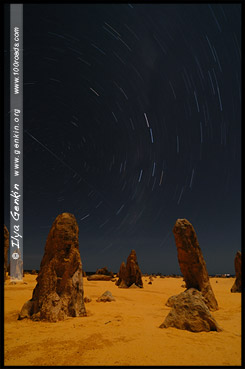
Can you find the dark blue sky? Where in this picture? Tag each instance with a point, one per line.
(132, 119)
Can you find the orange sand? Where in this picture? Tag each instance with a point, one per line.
(124, 332)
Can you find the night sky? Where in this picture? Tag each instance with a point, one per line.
(132, 119)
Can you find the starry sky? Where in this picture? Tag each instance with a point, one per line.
(132, 119)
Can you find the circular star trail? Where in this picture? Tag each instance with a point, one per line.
(132, 120)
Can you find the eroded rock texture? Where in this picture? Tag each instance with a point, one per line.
(122, 276)
(130, 273)
(59, 290)
(237, 286)
(133, 286)
(104, 271)
(192, 263)
(106, 297)
(6, 248)
(99, 277)
(189, 312)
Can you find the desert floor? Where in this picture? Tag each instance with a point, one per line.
(124, 332)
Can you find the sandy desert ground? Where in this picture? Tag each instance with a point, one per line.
(124, 332)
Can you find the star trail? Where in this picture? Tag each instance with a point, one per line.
(132, 119)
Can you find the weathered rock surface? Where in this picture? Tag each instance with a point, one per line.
(237, 286)
(123, 285)
(134, 273)
(26, 310)
(130, 273)
(189, 312)
(106, 297)
(104, 271)
(192, 263)
(99, 277)
(122, 275)
(134, 286)
(59, 290)
(6, 248)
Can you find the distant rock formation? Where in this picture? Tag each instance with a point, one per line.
(106, 297)
(122, 276)
(99, 277)
(6, 248)
(104, 271)
(189, 312)
(192, 263)
(59, 290)
(133, 271)
(237, 286)
(130, 273)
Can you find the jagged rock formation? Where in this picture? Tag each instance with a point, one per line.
(130, 273)
(190, 312)
(104, 271)
(122, 276)
(133, 271)
(59, 290)
(192, 263)
(6, 248)
(106, 297)
(237, 286)
(99, 277)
